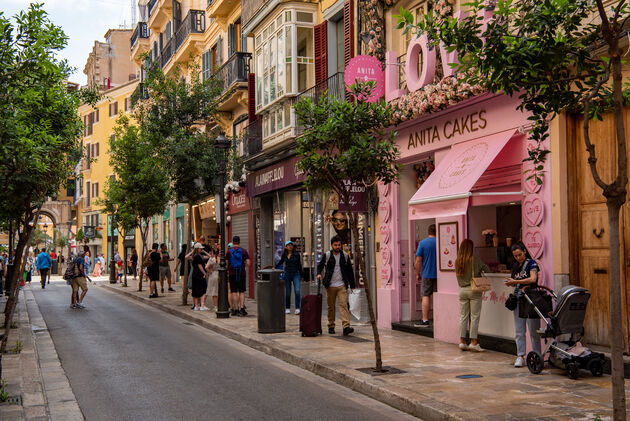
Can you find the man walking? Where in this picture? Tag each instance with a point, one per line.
(43, 266)
(165, 269)
(337, 278)
(80, 281)
(426, 272)
(154, 270)
(237, 260)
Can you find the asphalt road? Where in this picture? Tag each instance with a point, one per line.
(128, 361)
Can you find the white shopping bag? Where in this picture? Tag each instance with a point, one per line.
(354, 302)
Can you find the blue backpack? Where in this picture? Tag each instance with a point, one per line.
(236, 258)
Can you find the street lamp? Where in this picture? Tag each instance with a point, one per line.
(221, 145)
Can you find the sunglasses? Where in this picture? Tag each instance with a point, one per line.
(335, 220)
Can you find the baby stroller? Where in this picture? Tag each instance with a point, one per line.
(567, 319)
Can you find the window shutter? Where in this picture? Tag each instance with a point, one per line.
(348, 29)
(219, 58)
(97, 116)
(231, 40)
(251, 97)
(318, 53)
(97, 151)
(243, 40)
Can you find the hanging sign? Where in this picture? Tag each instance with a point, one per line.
(364, 69)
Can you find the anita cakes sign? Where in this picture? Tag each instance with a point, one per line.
(365, 69)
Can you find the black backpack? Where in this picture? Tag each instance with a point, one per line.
(72, 271)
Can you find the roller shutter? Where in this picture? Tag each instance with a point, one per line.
(240, 227)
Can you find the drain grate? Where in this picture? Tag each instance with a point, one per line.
(13, 400)
(386, 370)
(469, 376)
(188, 323)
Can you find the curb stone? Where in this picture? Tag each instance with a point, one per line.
(426, 409)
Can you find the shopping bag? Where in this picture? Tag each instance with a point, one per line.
(354, 302)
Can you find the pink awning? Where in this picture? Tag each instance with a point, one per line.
(447, 190)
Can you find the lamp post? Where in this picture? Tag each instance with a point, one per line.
(222, 144)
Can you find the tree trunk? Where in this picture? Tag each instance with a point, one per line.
(616, 335)
(363, 274)
(143, 233)
(185, 262)
(23, 240)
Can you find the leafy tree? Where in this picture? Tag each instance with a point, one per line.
(39, 237)
(173, 120)
(345, 141)
(39, 126)
(140, 188)
(61, 241)
(557, 56)
(80, 235)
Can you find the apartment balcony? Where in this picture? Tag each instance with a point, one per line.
(221, 8)
(334, 86)
(139, 41)
(232, 76)
(252, 140)
(140, 93)
(188, 38)
(160, 11)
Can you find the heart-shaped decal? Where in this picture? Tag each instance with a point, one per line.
(386, 274)
(386, 255)
(533, 209)
(384, 210)
(385, 232)
(534, 241)
(531, 186)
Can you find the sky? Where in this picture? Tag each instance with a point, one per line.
(84, 21)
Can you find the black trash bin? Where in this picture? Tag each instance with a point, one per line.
(270, 302)
(54, 268)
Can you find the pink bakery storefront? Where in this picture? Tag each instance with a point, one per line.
(463, 171)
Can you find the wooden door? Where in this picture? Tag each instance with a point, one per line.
(589, 243)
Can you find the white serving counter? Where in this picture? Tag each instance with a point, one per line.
(496, 320)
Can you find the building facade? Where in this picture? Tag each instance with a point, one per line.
(109, 65)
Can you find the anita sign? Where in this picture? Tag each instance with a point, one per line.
(364, 69)
(416, 80)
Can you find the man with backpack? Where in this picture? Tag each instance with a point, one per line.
(337, 278)
(79, 280)
(237, 260)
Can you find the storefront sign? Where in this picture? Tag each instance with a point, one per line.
(299, 244)
(533, 208)
(239, 202)
(206, 210)
(357, 198)
(274, 177)
(364, 69)
(534, 241)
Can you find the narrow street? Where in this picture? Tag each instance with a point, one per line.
(127, 361)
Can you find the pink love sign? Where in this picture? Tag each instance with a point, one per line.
(531, 186)
(364, 69)
(533, 209)
(534, 241)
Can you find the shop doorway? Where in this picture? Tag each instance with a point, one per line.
(413, 292)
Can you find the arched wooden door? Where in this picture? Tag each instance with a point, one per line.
(589, 236)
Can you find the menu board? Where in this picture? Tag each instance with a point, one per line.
(448, 239)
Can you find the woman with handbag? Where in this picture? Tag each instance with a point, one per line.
(468, 269)
(293, 275)
(524, 273)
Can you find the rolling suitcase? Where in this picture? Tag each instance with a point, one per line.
(311, 314)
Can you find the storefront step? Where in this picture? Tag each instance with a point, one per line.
(408, 326)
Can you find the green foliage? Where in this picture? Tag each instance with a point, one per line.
(541, 51)
(140, 188)
(61, 240)
(4, 395)
(39, 237)
(346, 140)
(80, 235)
(172, 120)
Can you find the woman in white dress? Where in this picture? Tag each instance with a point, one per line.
(212, 269)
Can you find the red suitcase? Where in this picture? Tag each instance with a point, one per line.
(311, 315)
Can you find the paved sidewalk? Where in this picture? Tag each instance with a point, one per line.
(35, 373)
(428, 387)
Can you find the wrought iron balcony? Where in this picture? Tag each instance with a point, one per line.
(334, 86)
(252, 139)
(234, 70)
(193, 23)
(151, 5)
(141, 31)
(249, 8)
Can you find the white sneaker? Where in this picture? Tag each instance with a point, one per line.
(204, 308)
(287, 311)
(80, 305)
(297, 311)
(463, 347)
(196, 308)
(520, 362)
(476, 348)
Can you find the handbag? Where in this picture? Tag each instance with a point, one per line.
(480, 284)
(511, 302)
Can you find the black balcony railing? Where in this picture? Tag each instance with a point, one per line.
(249, 8)
(252, 139)
(151, 5)
(141, 31)
(234, 70)
(193, 23)
(334, 86)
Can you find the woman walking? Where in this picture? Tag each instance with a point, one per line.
(293, 275)
(133, 259)
(468, 266)
(199, 283)
(524, 273)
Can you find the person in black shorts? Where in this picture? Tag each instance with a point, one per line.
(237, 260)
(154, 270)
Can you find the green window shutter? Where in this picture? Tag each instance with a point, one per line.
(219, 58)
(231, 38)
